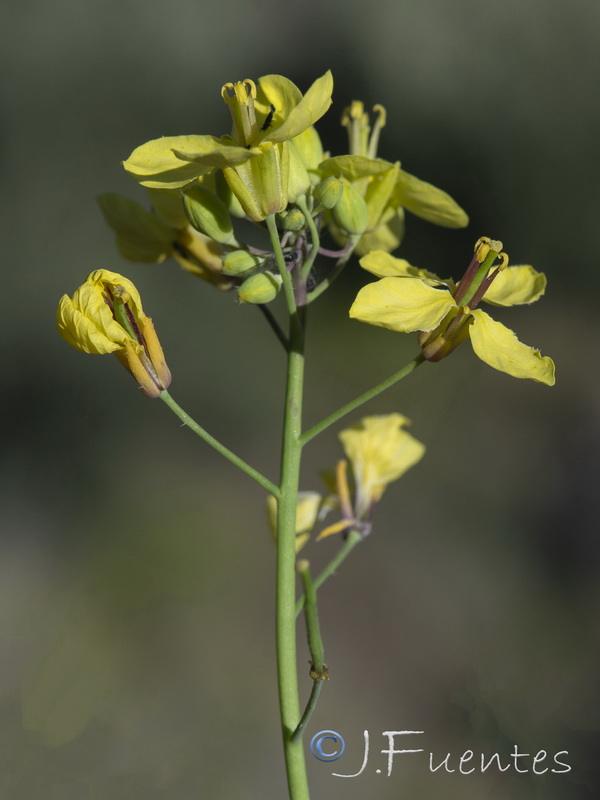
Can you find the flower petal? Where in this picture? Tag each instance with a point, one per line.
(499, 347)
(279, 92)
(402, 304)
(353, 167)
(515, 286)
(173, 161)
(380, 452)
(429, 202)
(384, 265)
(311, 107)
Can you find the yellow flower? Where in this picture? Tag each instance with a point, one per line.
(255, 159)
(386, 188)
(307, 511)
(407, 299)
(379, 451)
(153, 236)
(105, 315)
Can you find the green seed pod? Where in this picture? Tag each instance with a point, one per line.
(239, 261)
(208, 214)
(350, 213)
(292, 220)
(261, 288)
(329, 191)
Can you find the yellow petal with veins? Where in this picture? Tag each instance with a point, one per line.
(499, 347)
(516, 286)
(402, 304)
(311, 108)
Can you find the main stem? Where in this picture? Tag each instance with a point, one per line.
(286, 562)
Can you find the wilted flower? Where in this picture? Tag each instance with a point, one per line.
(379, 451)
(164, 232)
(105, 315)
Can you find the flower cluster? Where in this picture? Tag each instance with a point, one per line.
(271, 163)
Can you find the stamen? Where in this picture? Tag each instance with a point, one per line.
(240, 99)
(486, 282)
(356, 121)
(343, 490)
(379, 124)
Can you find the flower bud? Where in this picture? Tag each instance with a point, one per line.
(350, 213)
(208, 214)
(329, 191)
(239, 261)
(105, 316)
(259, 289)
(292, 220)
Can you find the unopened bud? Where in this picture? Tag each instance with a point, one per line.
(260, 288)
(292, 220)
(239, 261)
(329, 191)
(208, 214)
(350, 213)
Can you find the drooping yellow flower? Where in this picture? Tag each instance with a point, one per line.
(153, 236)
(307, 511)
(379, 451)
(386, 188)
(105, 315)
(255, 158)
(407, 299)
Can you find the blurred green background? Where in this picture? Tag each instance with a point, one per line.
(136, 570)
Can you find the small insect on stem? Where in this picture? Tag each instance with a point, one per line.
(268, 118)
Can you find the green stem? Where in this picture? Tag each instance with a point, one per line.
(353, 539)
(220, 448)
(314, 233)
(287, 674)
(363, 398)
(310, 707)
(313, 631)
(318, 670)
(288, 288)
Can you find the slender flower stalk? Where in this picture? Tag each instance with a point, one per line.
(287, 671)
(361, 399)
(216, 445)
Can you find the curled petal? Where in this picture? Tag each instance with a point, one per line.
(86, 327)
(499, 347)
(515, 286)
(402, 304)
